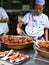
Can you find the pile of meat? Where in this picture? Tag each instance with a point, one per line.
(44, 46)
(16, 39)
(13, 56)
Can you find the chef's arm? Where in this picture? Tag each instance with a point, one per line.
(19, 30)
(4, 20)
(19, 25)
(46, 34)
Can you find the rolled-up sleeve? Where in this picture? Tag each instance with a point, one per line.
(47, 22)
(3, 13)
(25, 19)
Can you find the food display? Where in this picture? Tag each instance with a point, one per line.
(18, 42)
(13, 57)
(2, 54)
(43, 48)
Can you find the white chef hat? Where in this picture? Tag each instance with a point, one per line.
(40, 2)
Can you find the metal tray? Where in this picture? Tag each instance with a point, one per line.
(16, 63)
(20, 61)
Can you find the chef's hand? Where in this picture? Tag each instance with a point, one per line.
(19, 31)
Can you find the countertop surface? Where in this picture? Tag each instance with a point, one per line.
(35, 58)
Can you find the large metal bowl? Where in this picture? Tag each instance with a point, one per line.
(43, 51)
(19, 45)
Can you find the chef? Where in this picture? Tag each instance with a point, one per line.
(36, 21)
(3, 21)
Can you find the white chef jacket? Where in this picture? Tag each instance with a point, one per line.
(3, 25)
(35, 24)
